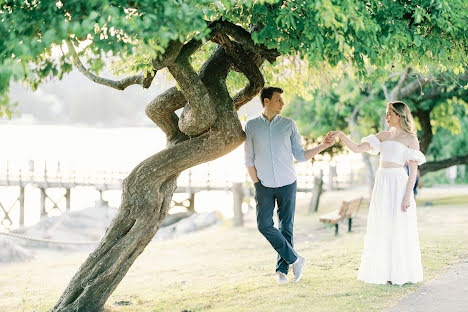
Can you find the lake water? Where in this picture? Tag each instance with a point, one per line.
(87, 150)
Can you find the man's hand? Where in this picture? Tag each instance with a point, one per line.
(329, 140)
(253, 174)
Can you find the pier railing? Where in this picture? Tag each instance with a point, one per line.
(47, 175)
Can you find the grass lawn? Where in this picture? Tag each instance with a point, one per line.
(232, 269)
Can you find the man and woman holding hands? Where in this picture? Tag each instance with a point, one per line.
(391, 251)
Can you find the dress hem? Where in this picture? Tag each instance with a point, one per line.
(393, 282)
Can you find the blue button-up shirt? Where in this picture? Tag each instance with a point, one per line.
(270, 146)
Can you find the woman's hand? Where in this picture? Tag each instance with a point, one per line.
(328, 141)
(405, 203)
(336, 133)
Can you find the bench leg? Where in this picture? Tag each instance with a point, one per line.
(350, 222)
(336, 229)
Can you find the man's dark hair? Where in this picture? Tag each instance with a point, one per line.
(267, 93)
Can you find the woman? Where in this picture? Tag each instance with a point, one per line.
(391, 246)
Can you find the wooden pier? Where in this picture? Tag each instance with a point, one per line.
(44, 176)
(56, 175)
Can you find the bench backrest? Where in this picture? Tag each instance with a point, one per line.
(353, 206)
(343, 208)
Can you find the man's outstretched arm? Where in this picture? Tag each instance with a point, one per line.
(298, 151)
(310, 153)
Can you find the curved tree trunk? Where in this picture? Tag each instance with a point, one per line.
(146, 198)
(208, 128)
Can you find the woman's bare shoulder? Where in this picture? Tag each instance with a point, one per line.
(412, 142)
(383, 135)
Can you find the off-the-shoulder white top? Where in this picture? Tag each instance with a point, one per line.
(393, 151)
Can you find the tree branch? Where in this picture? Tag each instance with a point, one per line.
(414, 86)
(199, 112)
(395, 93)
(434, 93)
(385, 91)
(170, 54)
(145, 82)
(243, 61)
(242, 36)
(189, 48)
(445, 163)
(212, 74)
(161, 111)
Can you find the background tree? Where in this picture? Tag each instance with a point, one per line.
(346, 104)
(439, 105)
(437, 101)
(221, 37)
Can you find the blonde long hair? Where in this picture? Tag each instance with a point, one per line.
(406, 119)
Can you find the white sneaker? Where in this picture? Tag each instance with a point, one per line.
(298, 268)
(281, 278)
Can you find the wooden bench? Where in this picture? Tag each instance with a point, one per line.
(347, 210)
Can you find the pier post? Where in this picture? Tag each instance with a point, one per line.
(316, 192)
(43, 198)
(101, 202)
(68, 198)
(21, 202)
(238, 196)
(192, 202)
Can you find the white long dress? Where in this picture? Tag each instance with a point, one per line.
(391, 244)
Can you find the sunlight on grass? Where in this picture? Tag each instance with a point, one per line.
(442, 201)
(232, 269)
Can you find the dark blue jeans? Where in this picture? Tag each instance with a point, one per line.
(281, 239)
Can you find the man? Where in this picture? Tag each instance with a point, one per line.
(271, 143)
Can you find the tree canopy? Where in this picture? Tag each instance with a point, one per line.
(378, 33)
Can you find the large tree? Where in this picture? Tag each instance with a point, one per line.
(438, 101)
(228, 36)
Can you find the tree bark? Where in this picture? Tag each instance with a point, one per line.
(146, 198)
(445, 163)
(208, 128)
(424, 117)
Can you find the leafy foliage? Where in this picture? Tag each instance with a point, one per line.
(451, 128)
(444, 99)
(322, 32)
(6, 106)
(331, 108)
